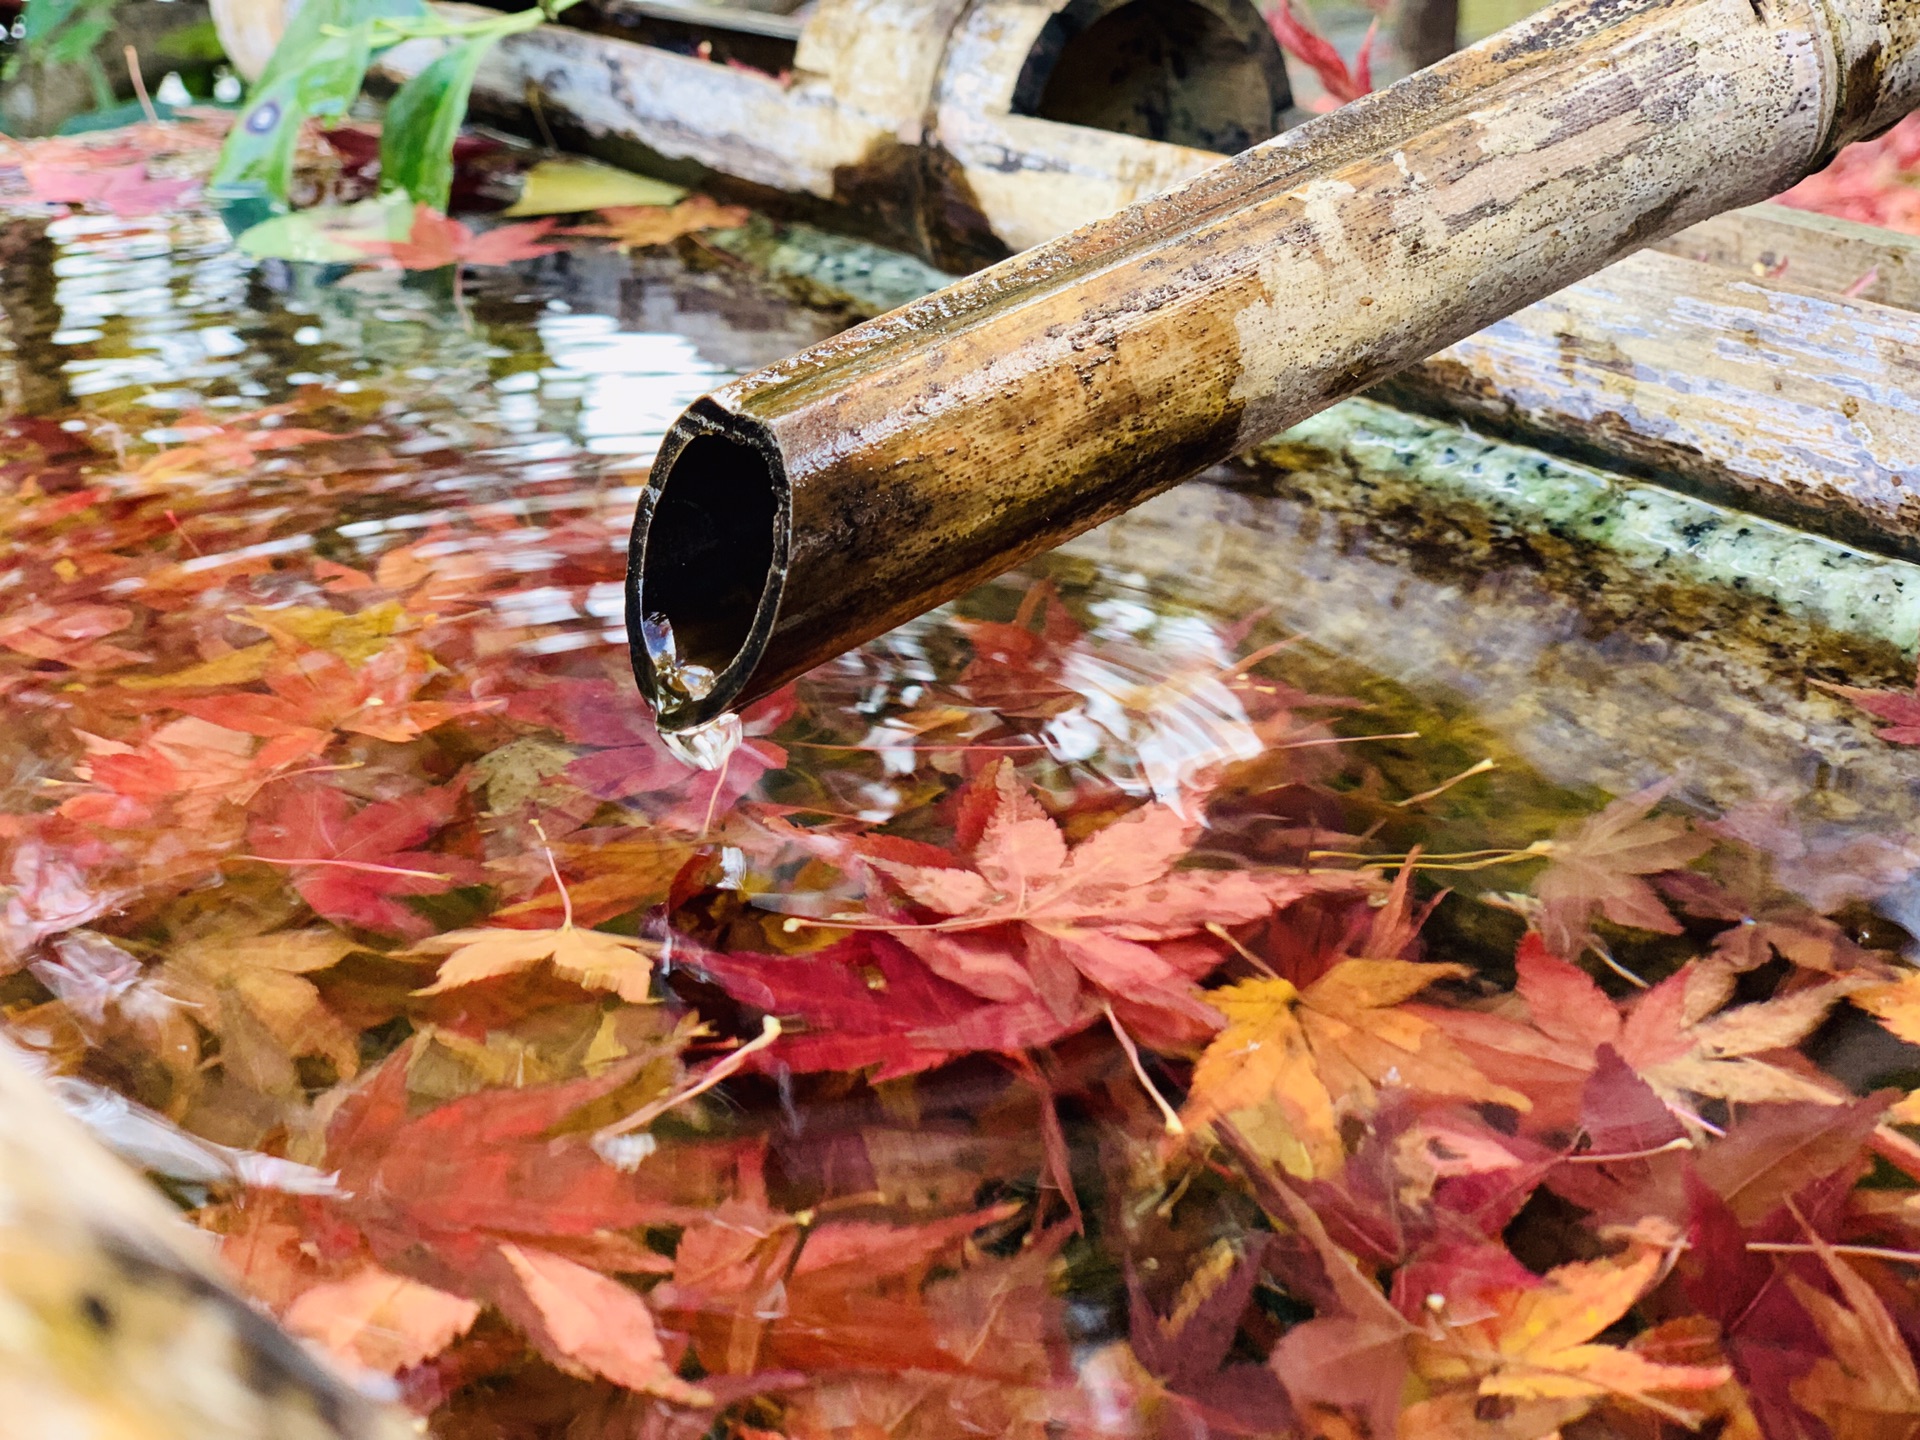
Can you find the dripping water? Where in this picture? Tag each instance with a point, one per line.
(705, 747)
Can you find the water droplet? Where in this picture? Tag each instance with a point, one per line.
(677, 682)
(708, 746)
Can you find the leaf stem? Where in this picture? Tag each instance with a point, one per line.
(716, 1072)
(1168, 1114)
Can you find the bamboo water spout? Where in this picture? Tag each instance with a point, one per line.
(815, 504)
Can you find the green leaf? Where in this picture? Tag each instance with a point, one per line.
(327, 234)
(258, 155)
(317, 69)
(423, 120)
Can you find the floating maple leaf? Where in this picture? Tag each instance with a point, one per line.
(1025, 917)
(435, 241)
(634, 227)
(1900, 709)
(125, 189)
(1529, 1346)
(1597, 865)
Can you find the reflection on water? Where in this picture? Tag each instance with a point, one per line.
(338, 848)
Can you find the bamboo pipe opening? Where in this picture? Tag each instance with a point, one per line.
(709, 548)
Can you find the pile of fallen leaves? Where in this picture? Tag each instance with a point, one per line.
(1051, 1024)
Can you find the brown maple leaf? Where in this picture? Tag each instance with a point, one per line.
(252, 992)
(1867, 1385)
(1027, 917)
(1598, 863)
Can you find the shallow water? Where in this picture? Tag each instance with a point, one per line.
(284, 709)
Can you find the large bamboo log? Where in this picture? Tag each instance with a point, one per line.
(817, 503)
(115, 1322)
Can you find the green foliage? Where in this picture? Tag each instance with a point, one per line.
(67, 32)
(317, 71)
(423, 119)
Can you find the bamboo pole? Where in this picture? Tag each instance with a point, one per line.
(817, 503)
(115, 1321)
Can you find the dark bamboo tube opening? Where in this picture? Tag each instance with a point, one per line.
(1168, 70)
(710, 547)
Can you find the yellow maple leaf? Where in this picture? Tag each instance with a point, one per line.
(592, 959)
(1896, 1005)
(253, 992)
(356, 637)
(1290, 1064)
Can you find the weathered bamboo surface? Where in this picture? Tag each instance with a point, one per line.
(924, 123)
(1749, 375)
(114, 1322)
(900, 463)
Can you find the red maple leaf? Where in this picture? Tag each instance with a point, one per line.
(1899, 708)
(1019, 916)
(69, 635)
(632, 760)
(119, 189)
(436, 241)
(352, 866)
(316, 692)
(867, 1001)
(189, 768)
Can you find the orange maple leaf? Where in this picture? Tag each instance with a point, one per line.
(1293, 1063)
(380, 1320)
(635, 227)
(1531, 1348)
(316, 692)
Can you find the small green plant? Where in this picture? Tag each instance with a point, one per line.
(317, 71)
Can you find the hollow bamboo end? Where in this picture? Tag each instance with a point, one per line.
(711, 539)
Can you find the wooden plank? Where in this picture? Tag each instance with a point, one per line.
(1794, 403)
